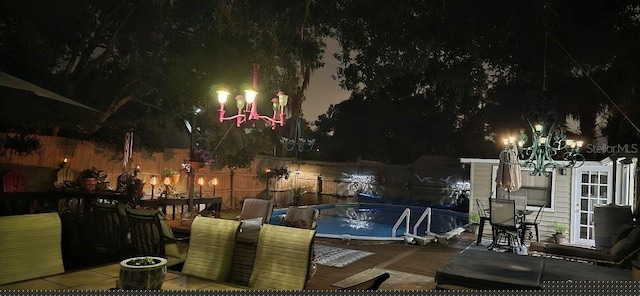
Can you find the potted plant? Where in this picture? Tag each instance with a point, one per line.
(560, 229)
(173, 174)
(298, 192)
(91, 179)
(474, 217)
(142, 273)
(19, 144)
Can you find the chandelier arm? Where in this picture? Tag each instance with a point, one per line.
(240, 118)
(270, 121)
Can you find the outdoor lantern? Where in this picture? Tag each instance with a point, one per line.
(153, 181)
(166, 181)
(200, 183)
(213, 182)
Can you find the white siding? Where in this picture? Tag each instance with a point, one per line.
(481, 173)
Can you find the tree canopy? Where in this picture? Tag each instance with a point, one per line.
(146, 64)
(477, 67)
(428, 77)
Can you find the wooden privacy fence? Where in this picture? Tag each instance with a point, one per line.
(430, 179)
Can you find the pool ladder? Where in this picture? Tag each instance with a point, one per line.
(406, 218)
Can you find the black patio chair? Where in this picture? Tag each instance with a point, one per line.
(111, 230)
(535, 223)
(506, 223)
(484, 218)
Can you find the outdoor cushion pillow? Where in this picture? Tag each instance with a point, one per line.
(253, 223)
(626, 245)
(577, 252)
(634, 235)
(621, 249)
(620, 233)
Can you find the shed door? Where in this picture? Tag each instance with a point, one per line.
(592, 186)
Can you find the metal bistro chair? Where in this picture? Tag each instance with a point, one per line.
(484, 218)
(506, 224)
(521, 210)
(535, 223)
(151, 236)
(111, 230)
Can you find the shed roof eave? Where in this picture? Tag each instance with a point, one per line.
(479, 160)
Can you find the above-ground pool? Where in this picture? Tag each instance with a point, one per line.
(376, 221)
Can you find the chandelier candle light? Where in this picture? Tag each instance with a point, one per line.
(549, 147)
(249, 101)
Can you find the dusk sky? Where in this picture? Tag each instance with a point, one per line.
(323, 90)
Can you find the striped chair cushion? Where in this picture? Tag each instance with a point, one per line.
(30, 246)
(282, 258)
(211, 246)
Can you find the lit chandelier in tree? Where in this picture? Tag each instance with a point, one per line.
(246, 104)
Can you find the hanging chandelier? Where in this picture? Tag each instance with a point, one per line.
(298, 142)
(545, 145)
(246, 104)
(548, 147)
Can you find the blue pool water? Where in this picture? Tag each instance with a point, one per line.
(377, 220)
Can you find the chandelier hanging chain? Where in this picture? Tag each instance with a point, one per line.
(586, 73)
(549, 144)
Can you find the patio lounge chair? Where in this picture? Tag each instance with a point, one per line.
(211, 247)
(626, 245)
(482, 269)
(282, 258)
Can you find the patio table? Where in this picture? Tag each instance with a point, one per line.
(104, 278)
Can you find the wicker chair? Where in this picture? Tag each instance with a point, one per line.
(31, 246)
(211, 248)
(282, 258)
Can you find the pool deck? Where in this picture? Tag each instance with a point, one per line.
(396, 256)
